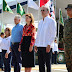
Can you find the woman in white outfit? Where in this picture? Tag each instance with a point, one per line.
(6, 54)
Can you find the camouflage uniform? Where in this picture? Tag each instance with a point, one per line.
(68, 43)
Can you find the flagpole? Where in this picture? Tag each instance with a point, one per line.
(38, 12)
(58, 31)
(27, 6)
(59, 25)
(2, 16)
(16, 6)
(55, 7)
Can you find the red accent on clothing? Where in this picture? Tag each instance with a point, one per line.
(29, 31)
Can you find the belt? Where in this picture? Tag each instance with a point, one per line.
(13, 43)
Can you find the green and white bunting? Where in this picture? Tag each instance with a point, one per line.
(6, 7)
(61, 17)
(20, 9)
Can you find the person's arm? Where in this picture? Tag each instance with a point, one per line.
(0, 44)
(53, 50)
(22, 36)
(8, 49)
(52, 35)
(10, 45)
(11, 39)
(32, 39)
(35, 47)
(22, 32)
(52, 30)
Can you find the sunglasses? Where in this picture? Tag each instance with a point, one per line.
(6, 30)
(42, 10)
(28, 16)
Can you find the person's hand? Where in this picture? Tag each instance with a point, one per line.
(30, 49)
(35, 49)
(6, 55)
(48, 49)
(10, 49)
(53, 52)
(57, 52)
(19, 49)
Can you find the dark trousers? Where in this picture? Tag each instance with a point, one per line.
(1, 61)
(44, 58)
(54, 57)
(68, 59)
(7, 61)
(16, 57)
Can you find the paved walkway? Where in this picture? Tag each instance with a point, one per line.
(55, 68)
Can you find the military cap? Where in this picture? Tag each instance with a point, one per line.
(69, 6)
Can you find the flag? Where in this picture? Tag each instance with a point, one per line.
(32, 4)
(43, 2)
(20, 9)
(2, 27)
(6, 7)
(52, 14)
(52, 11)
(50, 4)
(61, 17)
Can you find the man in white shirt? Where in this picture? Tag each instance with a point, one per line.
(1, 60)
(45, 36)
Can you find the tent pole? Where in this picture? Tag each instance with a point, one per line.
(16, 6)
(27, 6)
(59, 25)
(38, 12)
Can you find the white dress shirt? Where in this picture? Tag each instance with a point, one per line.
(5, 44)
(46, 32)
(0, 44)
(55, 47)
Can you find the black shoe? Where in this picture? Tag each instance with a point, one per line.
(2, 69)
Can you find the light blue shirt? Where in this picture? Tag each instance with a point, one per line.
(16, 34)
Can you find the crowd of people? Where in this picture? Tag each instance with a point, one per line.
(20, 45)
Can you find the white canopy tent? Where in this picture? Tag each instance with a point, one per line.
(8, 17)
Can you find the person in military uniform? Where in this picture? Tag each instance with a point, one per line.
(68, 38)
